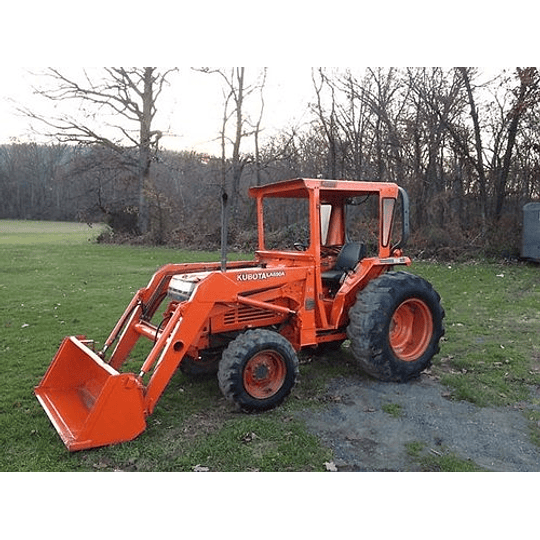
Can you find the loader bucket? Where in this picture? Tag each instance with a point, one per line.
(89, 403)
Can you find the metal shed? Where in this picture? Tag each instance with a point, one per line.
(530, 248)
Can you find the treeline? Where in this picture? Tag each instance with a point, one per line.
(466, 148)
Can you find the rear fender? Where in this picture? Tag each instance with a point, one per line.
(368, 269)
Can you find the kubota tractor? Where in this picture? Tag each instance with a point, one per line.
(248, 320)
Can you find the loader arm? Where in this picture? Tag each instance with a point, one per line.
(182, 330)
(146, 302)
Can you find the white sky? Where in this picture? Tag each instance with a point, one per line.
(190, 108)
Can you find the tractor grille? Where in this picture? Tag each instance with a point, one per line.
(247, 314)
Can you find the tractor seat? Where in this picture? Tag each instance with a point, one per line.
(349, 256)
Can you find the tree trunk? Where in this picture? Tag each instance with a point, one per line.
(145, 155)
(526, 81)
(478, 144)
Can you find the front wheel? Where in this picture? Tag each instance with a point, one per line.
(395, 326)
(258, 370)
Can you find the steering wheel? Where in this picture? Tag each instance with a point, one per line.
(330, 250)
(299, 246)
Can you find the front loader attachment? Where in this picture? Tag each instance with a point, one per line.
(90, 403)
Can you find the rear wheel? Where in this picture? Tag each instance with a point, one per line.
(395, 326)
(258, 370)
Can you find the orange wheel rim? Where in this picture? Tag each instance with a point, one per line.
(411, 330)
(264, 374)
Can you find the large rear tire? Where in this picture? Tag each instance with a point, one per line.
(395, 326)
(258, 370)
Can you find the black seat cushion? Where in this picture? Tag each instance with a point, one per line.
(348, 258)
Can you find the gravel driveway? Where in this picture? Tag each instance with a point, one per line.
(364, 437)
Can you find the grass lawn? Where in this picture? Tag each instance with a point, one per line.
(491, 351)
(54, 281)
(14, 232)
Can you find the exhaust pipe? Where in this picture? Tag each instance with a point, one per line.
(224, 228)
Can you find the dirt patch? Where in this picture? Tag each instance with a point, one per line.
(364, 437)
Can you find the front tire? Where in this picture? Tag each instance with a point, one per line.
(395, 326)
(258, 370)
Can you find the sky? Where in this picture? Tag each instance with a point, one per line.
(189, 110)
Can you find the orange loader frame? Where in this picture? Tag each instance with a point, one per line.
(92, 403)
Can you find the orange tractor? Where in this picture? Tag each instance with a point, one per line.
(248, 320)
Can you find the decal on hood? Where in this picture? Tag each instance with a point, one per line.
(255, 276)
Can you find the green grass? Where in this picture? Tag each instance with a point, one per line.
(393, 409)
(440, 460)
(55, 283)
(14, 232)
(491, 350)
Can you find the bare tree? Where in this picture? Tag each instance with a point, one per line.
(353, 121)
(504, 138)
(479, 161)
(526, 95)
(31, 181)
(235, 92)
(327, 119)
(114, 109)
(436, 100)
(236, 124)
(257, 130)
(377, 122)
